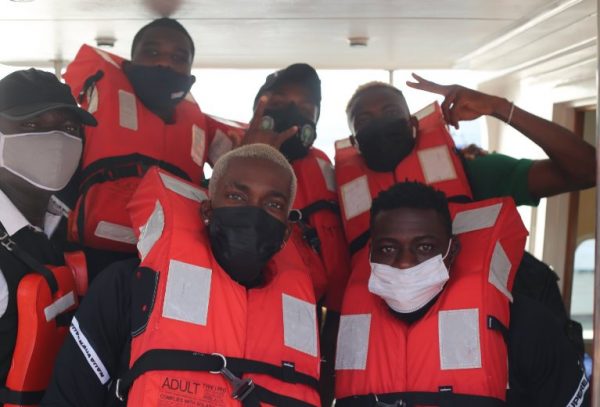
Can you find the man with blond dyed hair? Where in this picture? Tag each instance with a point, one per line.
(218, 309)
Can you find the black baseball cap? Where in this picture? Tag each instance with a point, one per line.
(297, 73)
(28, 93)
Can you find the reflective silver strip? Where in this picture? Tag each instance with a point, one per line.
(115, 232)
(58, 207)
(220, 145)
(353, 342)
(299, 325)
(476, 219)
(107, 57)
(579, 396)
(500, 266)
(437, 164)
(93, 100)
(356, 197)
(151, 231)
(183, 188)
(198, 145)
(426, 111)
(459, 339)
(188, 293)
(344, 143)
(59, 306)
(127, 110)
(89, 353)
(328, 174)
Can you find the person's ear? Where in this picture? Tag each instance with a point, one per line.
(206, 211)
(414, 124)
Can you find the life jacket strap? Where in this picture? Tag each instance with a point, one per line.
(124, 166)
(443, 398)
(182, 360)
(25, 398)
(33, 265)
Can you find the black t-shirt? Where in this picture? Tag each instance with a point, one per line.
(542, 362)
(37, 245)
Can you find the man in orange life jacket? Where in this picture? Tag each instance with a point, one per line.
(375, 107)
(40, 146)
(146, 117)
(287, 109)
(255, 304)
(414, 275)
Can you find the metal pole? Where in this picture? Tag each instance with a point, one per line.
(58, 65)
(596, 356)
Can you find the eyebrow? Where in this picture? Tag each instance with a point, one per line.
(271, 193)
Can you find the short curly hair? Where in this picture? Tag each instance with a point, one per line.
(414, 195)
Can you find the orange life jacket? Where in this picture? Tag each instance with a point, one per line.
(130, 138)
(46, 299)
(318, 234)
(456, 353)
(433, 161)
(199, 317)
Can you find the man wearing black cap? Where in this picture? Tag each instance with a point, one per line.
(146, 117)
(286, 111)
(40, 147)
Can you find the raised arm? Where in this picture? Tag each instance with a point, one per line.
(572, 162)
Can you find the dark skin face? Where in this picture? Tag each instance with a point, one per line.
(166, 47)
(30, 200)
(252, 182)
(295, 93)
(58, 119)
(377, 103)
(405, 237)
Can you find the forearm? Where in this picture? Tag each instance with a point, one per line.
(575, 158)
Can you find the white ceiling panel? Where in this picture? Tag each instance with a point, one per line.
(266, 34)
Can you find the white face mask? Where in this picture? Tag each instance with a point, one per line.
(408, 290)
(46, 160)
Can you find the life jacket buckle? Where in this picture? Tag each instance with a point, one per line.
(6, 241)
(397, 403)
(120, 396)
(241, 388)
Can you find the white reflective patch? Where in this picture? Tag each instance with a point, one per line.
(579, 396)
(344, 143)
(188, 293)
(113, 231)
(476, 219)
(88, 352)
(353, 342)
(198, 145)
(92, 97)
(436, 164)
(500, 270)
(459, 339)
(426, 111)
(59, 306)
(58, 207)
(127, 110)
(299, 325)
(356, 197)
(107, 57)
(328, 174)
(219, 146)
(182, 188)
(151, 231)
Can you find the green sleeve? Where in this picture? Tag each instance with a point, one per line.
(495, 175)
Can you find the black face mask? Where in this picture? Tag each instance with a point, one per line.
(158, 87)
(282, 119)
(385, 142)
(243, 240)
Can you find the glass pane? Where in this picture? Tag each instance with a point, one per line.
(582, 298)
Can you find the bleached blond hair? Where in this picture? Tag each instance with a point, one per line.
(256, 151)
(368, 86)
